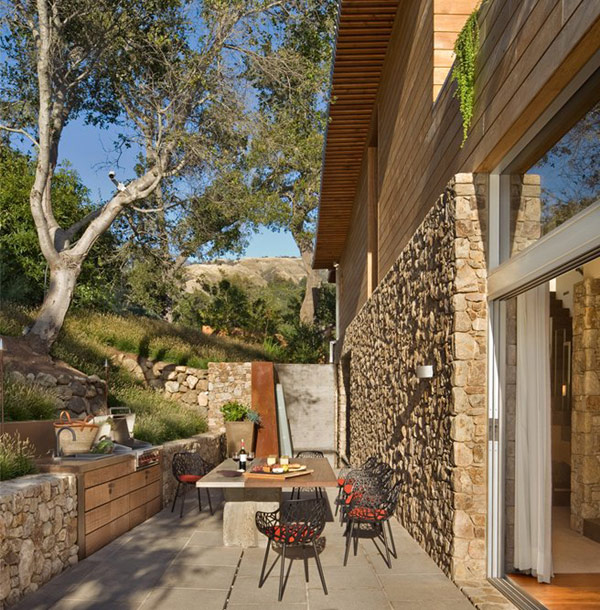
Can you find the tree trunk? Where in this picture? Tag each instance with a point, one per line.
(54, 309)
(313, 281)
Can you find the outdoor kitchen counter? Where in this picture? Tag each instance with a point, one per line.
(112, 496)
(73, 466)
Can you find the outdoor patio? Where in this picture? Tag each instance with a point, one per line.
(169, 562)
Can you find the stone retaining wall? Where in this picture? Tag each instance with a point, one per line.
(76, 392)
(38, 532)
(206, 390)
(211, 446)
(429, 309)
(182, 383)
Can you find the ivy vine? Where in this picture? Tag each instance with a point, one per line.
(465, 49)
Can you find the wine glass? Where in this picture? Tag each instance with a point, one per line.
(235, 457)
(250, 456)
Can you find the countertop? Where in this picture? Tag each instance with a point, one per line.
(80, 466)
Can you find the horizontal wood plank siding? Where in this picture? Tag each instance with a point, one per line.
(354, 262)
(530, 50)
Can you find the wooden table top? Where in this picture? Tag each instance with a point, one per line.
(323, 476)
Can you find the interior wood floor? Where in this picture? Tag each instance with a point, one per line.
(567, 591)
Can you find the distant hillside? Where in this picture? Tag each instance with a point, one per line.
(258, 272)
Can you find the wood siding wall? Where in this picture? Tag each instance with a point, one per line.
(530, 49)
(449, 17)
(353, 266)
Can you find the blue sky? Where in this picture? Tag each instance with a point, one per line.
(89, 151)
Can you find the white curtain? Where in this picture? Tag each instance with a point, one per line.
(533, 461)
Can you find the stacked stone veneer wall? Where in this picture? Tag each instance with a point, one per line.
(585, 440)
(227, 381)
(211, 446)
(182, 383)
(38, 532)
(429, 309)
(76, 392)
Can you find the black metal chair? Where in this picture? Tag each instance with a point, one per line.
(374, 472)
(318, 490)
(188, 468)
(372, 505)
(343, 475)
(297, 523)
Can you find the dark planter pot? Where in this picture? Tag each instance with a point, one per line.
(238, 430)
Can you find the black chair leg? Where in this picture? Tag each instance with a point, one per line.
(199, 500)
(183, 500)
(348, 541)
(356, 539)
(261, 580)
(282, 572)
(212, 512)
(176, 494)
(394, 553)
(319, 567)
(387, 548)
(305, 562)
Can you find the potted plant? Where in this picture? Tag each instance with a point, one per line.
(240, 423)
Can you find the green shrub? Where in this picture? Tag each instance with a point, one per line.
(17, 457)
(159, 419)
(305, 344)
(234, 411)
(24, 401)
(237, 411)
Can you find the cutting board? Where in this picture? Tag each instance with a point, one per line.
(277, 477)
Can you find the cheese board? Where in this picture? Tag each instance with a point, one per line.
(276, 476)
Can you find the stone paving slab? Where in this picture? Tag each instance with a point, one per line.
(171, 563)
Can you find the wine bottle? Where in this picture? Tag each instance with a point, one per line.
(243, 455)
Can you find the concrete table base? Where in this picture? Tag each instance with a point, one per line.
(241, 504)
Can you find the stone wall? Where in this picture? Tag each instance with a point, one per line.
(211, 446)
(227, 381)
(585, 466)
(178, 382)
(75, 391)
(429, 309)
(38, 532)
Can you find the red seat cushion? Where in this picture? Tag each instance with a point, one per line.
(290, 533)
(189, 478)
(341, 481)
(368, 514)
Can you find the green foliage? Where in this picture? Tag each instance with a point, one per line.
(159, 419)
(234, 411)
(23, 271)
(305, 344)
(466, 49)
(229, 307)
(17, 457)
(24, 401)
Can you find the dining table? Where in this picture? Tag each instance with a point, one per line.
(245, 494)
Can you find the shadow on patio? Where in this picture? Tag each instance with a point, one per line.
(168, 563)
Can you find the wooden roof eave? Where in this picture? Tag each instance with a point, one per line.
(363, 31)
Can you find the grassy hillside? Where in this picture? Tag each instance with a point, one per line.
(86, 341)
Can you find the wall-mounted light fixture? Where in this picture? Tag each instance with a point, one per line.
(425, 371)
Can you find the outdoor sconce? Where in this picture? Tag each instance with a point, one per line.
(424, 371)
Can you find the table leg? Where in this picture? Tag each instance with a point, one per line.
(239, 528)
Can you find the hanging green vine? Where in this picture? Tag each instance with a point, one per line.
(466, 48)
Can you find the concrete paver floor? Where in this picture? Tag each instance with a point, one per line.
(171, 563)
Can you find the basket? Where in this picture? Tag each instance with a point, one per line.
(85, 434)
